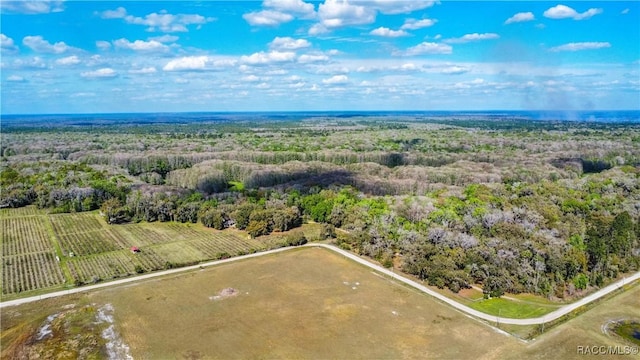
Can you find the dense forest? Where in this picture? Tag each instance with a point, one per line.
(513, 205)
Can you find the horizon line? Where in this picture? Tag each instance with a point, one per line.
(323, 112)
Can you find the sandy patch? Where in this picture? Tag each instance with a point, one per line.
(225, 293)
(116, 348)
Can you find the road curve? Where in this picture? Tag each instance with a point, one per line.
(530, 321)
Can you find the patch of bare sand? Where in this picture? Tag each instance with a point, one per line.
(225, 293)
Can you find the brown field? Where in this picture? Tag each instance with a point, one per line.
(313, 303)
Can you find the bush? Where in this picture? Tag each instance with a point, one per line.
(581, 281)
(258, 228)
(328, 231)
(296, 239)
(214, 218)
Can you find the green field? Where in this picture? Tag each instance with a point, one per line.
(45, 252)
(305, 303)
(512, 309)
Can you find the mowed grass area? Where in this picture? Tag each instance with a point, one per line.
(46, 252)
(304, 303)
(515, 306)
(515, 309)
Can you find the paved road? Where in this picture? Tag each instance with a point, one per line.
(531, 321)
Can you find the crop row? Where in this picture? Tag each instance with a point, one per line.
(20, 212)
(30, 272)
(87, 243)
(23, 235)
(143, 234)
(101, 267)
(179, 253)
(75, 223)
(149, 260)
(102, 252)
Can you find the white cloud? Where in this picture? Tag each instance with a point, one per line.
(429, 48)
(187, 63)
(287, 43)
(400, 6)
(82, 94)
(32, 6)
(140, 45)
(162, 21)
(311, 58)
(38, 44)
(69, 60)
(625, 11)
(335, 13)
(472, 37)
(34, 63)
(165, 38)
(318, 29)
(119, 13)
(565, 12)
(267, 18)
(144, 70)
(409, 67)
(222, 63)
(104, 73)
(413, 24)
(581, 46)
(263, 58)
(299, 7)
(7, 45)
(386, 32)
(103, 45)
(454, 70)
(336, 79)
(520, 17)
(250, 78)
(15, 78)
(276, 72)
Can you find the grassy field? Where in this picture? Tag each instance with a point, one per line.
(512, 309)
(306, 303)
(44, 252)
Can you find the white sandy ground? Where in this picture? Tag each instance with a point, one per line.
(465, 309)
(116, 348)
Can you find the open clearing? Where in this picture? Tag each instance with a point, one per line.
(310, 303)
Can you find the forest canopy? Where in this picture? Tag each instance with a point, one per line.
(513, 205)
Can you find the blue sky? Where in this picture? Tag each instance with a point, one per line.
(279, 55)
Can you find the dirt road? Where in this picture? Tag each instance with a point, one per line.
(531, 321)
